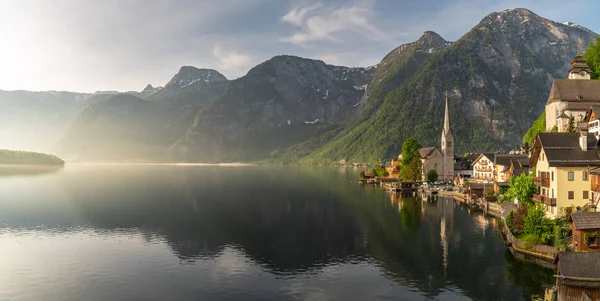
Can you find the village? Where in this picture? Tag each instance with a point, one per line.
(547, 194)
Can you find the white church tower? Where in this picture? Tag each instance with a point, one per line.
(447, 147)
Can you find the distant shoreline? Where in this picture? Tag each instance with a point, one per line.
(157, 164)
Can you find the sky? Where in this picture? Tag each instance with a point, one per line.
(123, 45)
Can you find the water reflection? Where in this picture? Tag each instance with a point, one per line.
(27, 170)
(288, 222)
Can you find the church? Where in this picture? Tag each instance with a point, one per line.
(441, 160)
(572, 96)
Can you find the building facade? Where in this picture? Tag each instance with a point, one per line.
(431, 159)
(562, 162)
(483, 167)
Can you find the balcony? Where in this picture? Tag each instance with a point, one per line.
(544, 199)
(539, 181)
(483, 169)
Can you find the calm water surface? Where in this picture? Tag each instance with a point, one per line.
(243, 233)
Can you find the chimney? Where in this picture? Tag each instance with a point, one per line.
(583, 139)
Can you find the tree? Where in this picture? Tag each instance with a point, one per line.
(523, 188)
(410, 150)
(412, 171)
(592, 55)
(571, 125)
(538, 126)
(379, 171)
(432, 176)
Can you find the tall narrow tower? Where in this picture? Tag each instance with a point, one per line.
(447, 147)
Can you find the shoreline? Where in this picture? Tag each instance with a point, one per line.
(156, 164)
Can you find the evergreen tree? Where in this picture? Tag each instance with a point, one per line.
(571, 125)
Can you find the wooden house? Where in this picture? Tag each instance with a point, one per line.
(586, 231)
(578, 276)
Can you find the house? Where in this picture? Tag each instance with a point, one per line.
(483, 167)
(591, 118)
(516, 168)
(578, 276)
(501, 170)
(585, 231)
(463, 168)
(393, 168)
(572, 97)
(562, 162)
(595, 187)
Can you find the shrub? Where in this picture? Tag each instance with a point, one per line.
(536, 224)
(518, 221)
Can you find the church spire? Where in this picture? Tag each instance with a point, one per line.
(446, 118)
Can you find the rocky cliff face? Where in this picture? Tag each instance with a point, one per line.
(280, 102)
(497, 77)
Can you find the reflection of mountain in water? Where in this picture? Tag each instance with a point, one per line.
(291, 220)
(27, 170)
(276, 221)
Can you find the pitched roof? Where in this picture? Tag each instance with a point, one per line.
(462, 165)
(426, 151)
(586, 220)
(573, 266)
(582, 90)
(504, 159)
(592, 109)
(562, 149)
(489, 156)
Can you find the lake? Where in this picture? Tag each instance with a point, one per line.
(121, 232)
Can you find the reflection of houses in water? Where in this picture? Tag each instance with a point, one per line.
(481, 222)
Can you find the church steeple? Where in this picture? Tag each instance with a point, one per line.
(447, 146)
(446, 119)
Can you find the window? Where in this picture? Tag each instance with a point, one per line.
(571, 176)
(593, 241)
(552, 209)
(571, 195)
(552, 192)
(585, 194)
(584, 176)
(552, 176)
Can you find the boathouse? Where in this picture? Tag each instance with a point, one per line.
(578, 276)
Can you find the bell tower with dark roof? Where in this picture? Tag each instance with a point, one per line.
(579, 68)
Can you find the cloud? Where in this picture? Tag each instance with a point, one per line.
(332, 23)
(296, 15)
(232, 62)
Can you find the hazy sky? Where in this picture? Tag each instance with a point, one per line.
(90, 45)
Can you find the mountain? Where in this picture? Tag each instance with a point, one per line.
(497, 78)
(34, 120)
(125, 127)
(291, 109)
(189, 76)
(280, 102)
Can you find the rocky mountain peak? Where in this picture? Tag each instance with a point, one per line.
(430, 42)
(148, 88)
(188, 76)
